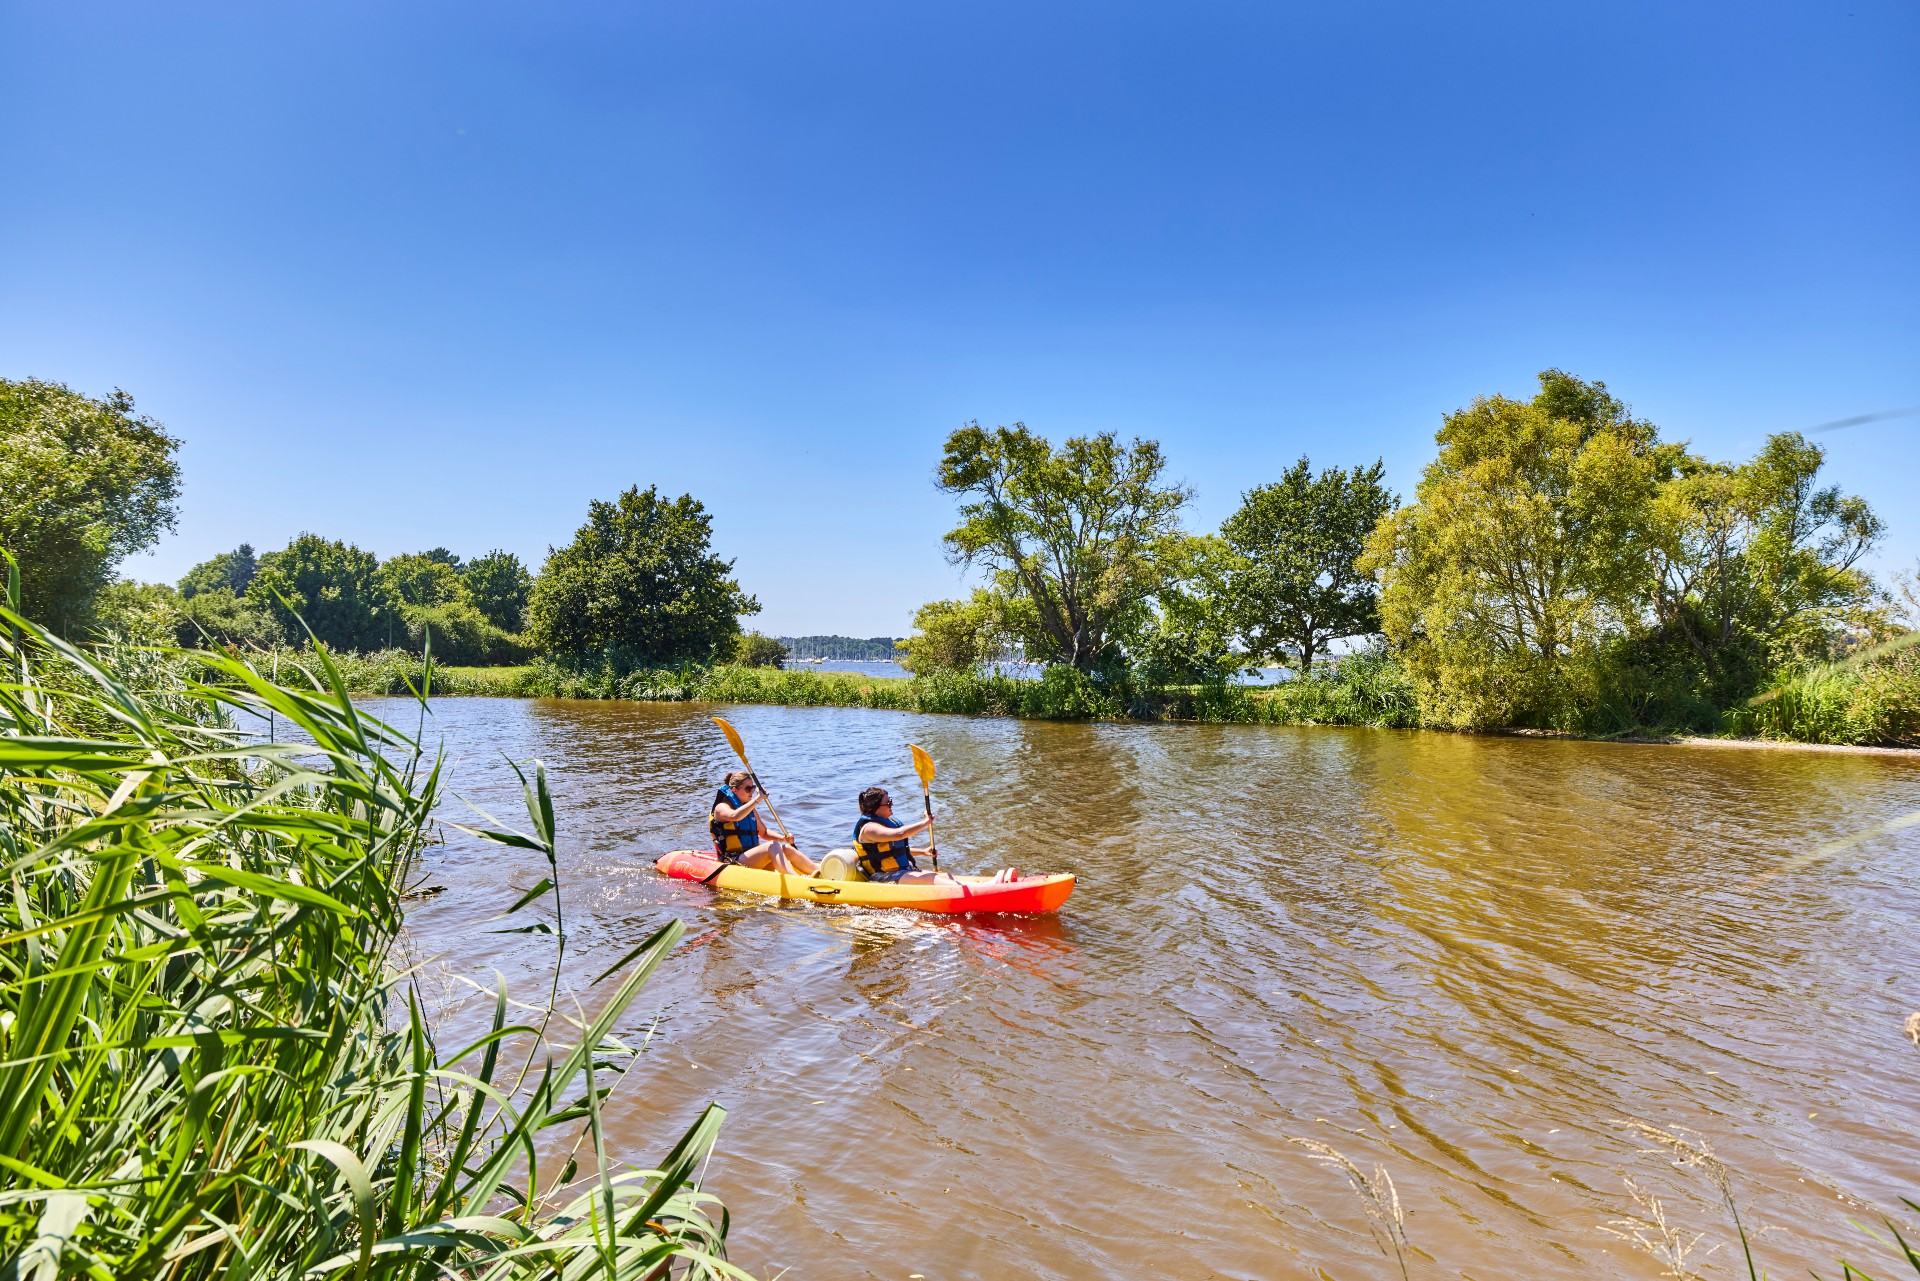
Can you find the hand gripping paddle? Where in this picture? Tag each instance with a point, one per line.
(740, 750)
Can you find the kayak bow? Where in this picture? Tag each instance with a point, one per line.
(972, 894)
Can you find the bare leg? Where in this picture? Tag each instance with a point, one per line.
(769, 854)
(926, 878)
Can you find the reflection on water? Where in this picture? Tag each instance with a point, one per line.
(1468, 960)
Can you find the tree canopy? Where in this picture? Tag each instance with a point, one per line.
(335, 587)
(499, 587)
(84, 483)
(1754, 564)
(1087, 533)
(1527, 546)
(1559, 556)
(639, 576)
(229, 571)
(1292, 586)
(424, 578)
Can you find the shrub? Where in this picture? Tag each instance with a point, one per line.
(1872, 702)
(755, 649)
(459, 633)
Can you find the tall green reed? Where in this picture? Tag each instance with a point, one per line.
(208, 1064)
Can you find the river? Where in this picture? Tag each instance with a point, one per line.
(1468, 961)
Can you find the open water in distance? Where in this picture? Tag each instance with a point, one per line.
(887, 667)
(1466, 960)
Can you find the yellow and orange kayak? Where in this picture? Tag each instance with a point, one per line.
(971, 894)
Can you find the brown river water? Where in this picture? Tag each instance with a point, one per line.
(1468, 961)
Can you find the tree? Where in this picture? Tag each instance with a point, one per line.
(335, 587)
(1188, 639)
(422, 578)
(1291, 585)
(84, 483)
(1527, 550)
(231, 571)
(757, 650)
(962, 635)
(499, 587)
(1083, 533)
(640, 576)
(1755, 565)
(220, 617)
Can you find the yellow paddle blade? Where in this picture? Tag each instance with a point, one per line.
(733, 737)
(922, 764)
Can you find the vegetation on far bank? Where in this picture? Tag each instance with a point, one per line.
(1875, 704)
(1560, 567)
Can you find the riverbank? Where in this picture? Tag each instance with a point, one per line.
(1822, 711)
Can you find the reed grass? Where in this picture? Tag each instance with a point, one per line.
(1869, 699)
(208, 1064)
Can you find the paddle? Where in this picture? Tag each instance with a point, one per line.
(923, 766)
(740, 750)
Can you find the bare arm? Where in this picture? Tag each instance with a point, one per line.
(734, 813)
(874, 833)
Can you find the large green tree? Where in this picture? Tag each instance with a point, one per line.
(423, 578)
(1526, 552)
(1088, 534)
(336, 588)
(639, 576)
(229, 571)
(84, 483)
(1292, 587)
(499, 587)
(1756, 563)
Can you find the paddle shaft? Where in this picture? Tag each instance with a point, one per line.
(777, 820)
(933, 848)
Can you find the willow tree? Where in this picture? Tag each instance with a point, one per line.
(1087, 534)
(1527, 550)
(1757, 564)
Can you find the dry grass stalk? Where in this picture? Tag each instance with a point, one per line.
(1386, 1221)
(1689, 1149)
(1657, 1235)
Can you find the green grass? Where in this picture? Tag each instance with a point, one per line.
(1870, 700)
(1876, 701)
(209, 1066)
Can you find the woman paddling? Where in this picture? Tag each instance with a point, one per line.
(736, 832)
(886, 855)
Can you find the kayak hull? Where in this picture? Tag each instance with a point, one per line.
(972, 894)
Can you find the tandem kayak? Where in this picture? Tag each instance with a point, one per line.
(972, 894)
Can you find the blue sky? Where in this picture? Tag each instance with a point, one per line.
(409, 274)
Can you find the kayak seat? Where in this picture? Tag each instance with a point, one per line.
(841, 865)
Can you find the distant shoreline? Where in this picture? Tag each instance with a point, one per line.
(1002, 697)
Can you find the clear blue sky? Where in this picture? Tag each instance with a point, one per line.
(410, 275)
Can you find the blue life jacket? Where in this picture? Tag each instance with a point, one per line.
(731, 840)
(877, 857)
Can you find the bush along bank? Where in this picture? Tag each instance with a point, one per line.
(1366, 689)
(1874, 701)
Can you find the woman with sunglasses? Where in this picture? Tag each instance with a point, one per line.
(736, 831)
(886, 855)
